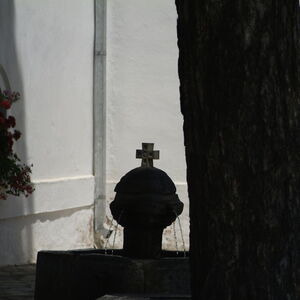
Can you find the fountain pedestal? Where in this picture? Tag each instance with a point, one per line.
(88, 274)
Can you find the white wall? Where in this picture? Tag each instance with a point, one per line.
(47, 52)
(23, 237)
(143, 92)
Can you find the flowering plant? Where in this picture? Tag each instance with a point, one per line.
(14, 175)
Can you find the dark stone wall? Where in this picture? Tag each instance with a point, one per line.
(88, 274)
(239, 85)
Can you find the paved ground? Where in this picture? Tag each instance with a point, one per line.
(17, 282)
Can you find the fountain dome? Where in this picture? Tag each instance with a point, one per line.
(145, 203)
(146, 180)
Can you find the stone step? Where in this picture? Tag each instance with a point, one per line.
(145, 297)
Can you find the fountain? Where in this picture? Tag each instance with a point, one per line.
(145, 203)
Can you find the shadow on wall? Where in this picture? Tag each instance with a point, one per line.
(15, 234)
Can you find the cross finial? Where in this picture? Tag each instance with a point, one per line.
(147, 154)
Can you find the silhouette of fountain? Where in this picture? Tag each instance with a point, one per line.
(145, 203)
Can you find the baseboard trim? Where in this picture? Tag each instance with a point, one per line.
(51, 195)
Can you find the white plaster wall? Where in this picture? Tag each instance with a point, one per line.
(54, 45)
(47, 52)
(68, 229)
(143, 92)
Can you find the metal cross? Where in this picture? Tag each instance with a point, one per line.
(147, 154)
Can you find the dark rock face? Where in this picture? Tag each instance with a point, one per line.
(146, 202)
(240, 98)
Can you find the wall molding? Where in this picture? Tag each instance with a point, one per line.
(53, 194)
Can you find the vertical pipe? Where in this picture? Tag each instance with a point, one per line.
(100, 115)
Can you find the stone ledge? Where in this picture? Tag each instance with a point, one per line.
(88, 274)
(144, 297)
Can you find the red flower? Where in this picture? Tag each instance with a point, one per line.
(17, 134)
(11, 121)
(15, 179)
(10, 141)
(29, 189)
(5, 104)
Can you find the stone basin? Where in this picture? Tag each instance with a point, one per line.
(90, 274)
